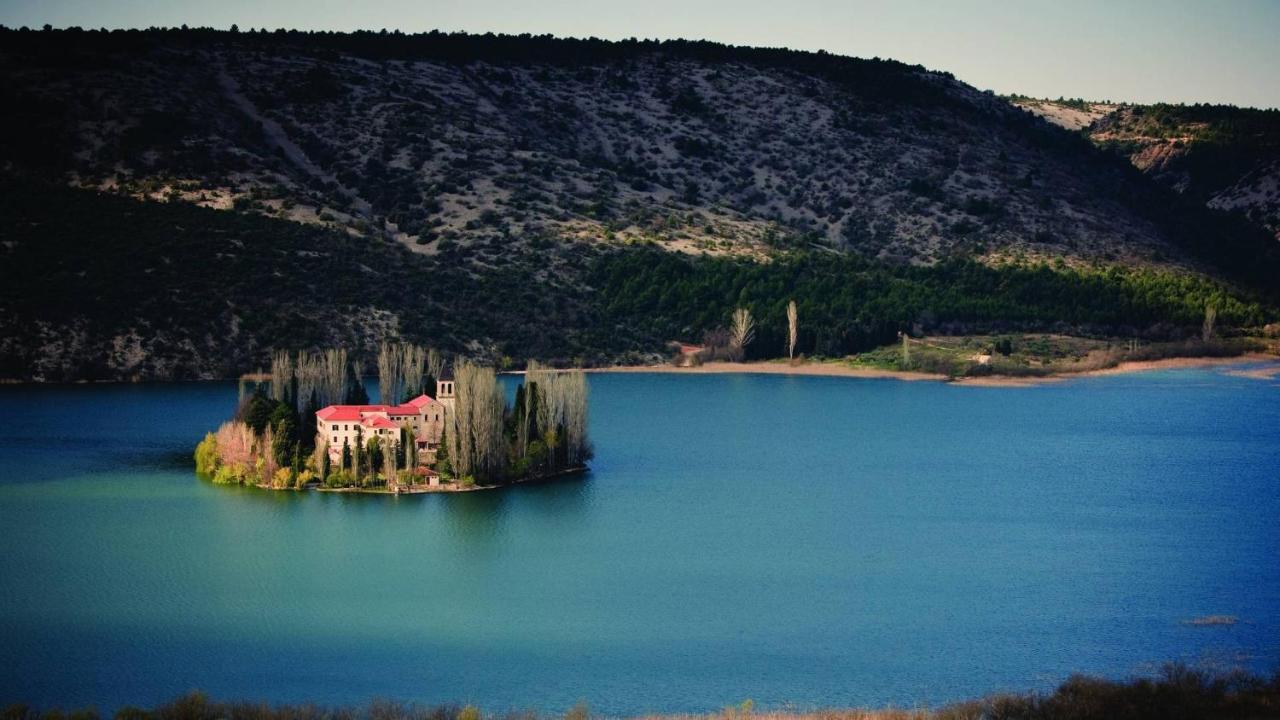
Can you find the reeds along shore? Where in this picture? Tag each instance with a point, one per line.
(1176, 693)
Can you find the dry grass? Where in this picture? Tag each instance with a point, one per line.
(1042, 356)
(845, 714)
(1176, 693)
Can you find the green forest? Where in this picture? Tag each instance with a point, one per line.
(213, 292)
(847, 304)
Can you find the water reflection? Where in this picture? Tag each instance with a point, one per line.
(821, 541)
(475, 518)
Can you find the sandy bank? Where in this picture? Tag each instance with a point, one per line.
(828, 369)
(839, 369)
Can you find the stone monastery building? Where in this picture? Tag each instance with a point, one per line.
(422, 416)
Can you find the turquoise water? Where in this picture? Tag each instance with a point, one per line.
(813, 541)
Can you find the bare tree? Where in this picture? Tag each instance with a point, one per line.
(458, 422)
(235, 445)
(574, 388)
(310, 375)
(741, 331)
(335, 377)
(435, 364)
(266, 457)
(476, 438)
(561, 400)
(320, 452)
(390, 373)
(281, 375)
(307, 374)
(410, 447)
(550, 412)
(414, 366)
(717, 343)
(389, 461)
(792, 329)
(1210, 322)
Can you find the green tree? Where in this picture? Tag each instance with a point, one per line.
(207, 455)
(442, 454)
(256, 412)
(356, 394)
(374, 458)
(284, 438)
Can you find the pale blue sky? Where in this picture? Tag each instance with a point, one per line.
(1180, 51)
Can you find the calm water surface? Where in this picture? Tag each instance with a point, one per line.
(814, 541)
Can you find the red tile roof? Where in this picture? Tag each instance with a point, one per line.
(340, 413)
(377, 421)
(404, 410)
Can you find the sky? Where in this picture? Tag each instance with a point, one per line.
(1221, 51)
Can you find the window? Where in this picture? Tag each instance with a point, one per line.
(335, 428)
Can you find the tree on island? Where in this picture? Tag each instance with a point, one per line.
(477, 440)
(357, 450)
(406, 371)
(443, 465)
(374, 460)
(484, 440)
(356, 394)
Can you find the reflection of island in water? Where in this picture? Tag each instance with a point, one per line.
(462, 436)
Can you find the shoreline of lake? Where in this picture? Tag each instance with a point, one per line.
(451, 487)
(843, 369)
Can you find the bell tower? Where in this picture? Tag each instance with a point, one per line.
(444, 393)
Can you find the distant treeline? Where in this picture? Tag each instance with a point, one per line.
(849, 304)
(873, 78)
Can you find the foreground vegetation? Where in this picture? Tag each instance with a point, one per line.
(1177, 693)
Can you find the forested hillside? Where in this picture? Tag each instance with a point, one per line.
(179, 202)
(1224, 157)
(96, 286)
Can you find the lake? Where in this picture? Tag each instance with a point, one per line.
(804, 540)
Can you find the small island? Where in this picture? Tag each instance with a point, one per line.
(308, 424)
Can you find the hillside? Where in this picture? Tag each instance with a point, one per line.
(204, 196)
(1224, 157)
